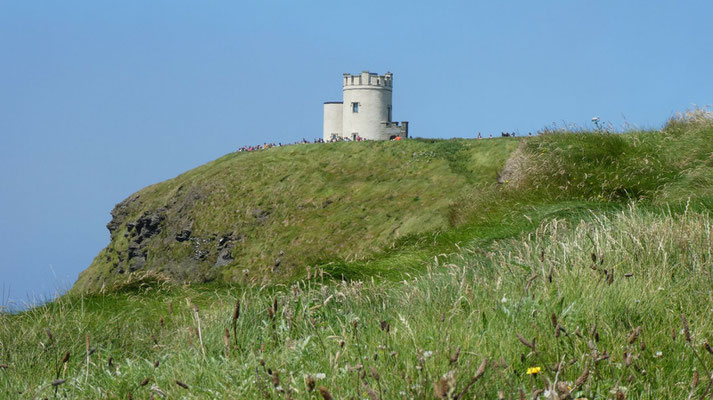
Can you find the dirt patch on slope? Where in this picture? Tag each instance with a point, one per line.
(518, 169)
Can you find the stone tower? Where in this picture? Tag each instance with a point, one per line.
(366, 111)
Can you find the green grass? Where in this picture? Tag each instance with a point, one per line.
(360, 209)
(323, 203)
(477, 300)
(596, 252)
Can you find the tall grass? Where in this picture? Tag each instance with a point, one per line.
(606, 295)
(585, 272)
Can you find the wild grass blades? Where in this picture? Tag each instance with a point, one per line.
(404, 338)
(693, 385)
(693, 117)
(708, 387)
(62, 367)
(198, 329)
(62, 364)
(310, 383)
(236, 315)
(86, 377)
(226, 342)
(478, 373)
(375, 375)
(325, 393)
(689, 340)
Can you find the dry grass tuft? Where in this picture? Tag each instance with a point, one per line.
(695, 117)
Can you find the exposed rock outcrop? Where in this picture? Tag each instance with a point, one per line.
(139, 232)
(121, 212)
(225, 250)
(183, 235)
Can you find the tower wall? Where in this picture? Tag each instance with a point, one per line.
(332, 120)
(372, 95)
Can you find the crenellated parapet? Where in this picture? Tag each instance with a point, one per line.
(367, 78)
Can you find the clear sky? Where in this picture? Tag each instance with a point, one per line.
(101, 98)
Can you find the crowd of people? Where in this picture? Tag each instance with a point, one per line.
(303, 141)
(343, 139)
(504, 134)
(280, 144)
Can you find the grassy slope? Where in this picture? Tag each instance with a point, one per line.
(639, 204)
(329, 202)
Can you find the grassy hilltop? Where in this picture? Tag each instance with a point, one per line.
(232, 219)
(567, 265)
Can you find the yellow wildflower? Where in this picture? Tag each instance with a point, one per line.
(533, 370)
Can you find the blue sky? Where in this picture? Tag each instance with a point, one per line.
(101, 98)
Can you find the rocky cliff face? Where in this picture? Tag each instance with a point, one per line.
(139, 233)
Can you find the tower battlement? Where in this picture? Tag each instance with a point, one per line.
(367, 78)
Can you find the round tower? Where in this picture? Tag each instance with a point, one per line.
(366, 108)
(332, 120)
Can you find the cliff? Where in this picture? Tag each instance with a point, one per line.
(265, 216)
